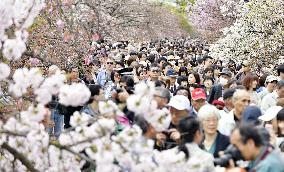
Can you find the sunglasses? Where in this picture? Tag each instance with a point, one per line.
(109, 63)
(155, 70)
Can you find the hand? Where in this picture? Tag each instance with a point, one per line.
(175, 134)
(161, 138)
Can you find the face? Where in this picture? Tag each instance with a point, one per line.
(191, 79)
(143, 75)
(177, 115)
(155, 73)
(197, 104)
(254, 84)
(210, 124)
(74, 74)
(208, 62)
(161, 101)
(241, 103)
(209, 73)
(184, 83)
(182, 92)
(117, 77)
(208, 83)
(109, 64)
(245, 149)
(246, 68)
(281, 92)
(280, 125)
(100, 96)
(271, 85)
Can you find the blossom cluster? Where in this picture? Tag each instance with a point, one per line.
(256, 34)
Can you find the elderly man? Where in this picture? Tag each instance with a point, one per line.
(241, 99)
(162, 97)
(271, 99)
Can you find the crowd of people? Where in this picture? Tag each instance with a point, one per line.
(223, 112)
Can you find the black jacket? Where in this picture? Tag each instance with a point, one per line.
(222, 142)
(215, 93)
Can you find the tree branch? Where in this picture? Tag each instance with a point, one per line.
(20, 157)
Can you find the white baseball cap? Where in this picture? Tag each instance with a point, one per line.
(271, 78)
(270, 113)
(179, 102)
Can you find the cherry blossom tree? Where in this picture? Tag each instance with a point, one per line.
(210, 16)
(256, 35)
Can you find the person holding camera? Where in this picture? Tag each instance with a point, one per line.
(262, 158)
(179, 109)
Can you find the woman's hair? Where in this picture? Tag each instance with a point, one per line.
(248, 80)
(188, 127)
(207, 111)
(196, 76)
(95, 91)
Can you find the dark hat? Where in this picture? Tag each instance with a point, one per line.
(229, 93)
(250, 115)
(226, 71)
(171, 73)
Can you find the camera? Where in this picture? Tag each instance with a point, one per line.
(232, 152)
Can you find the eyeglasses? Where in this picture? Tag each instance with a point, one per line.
(109, 63)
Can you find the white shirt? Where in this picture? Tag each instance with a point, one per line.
(226, 123)
(268, 101)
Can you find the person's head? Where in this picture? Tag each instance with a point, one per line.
(280, 123)
(250, 82)
(115, 76)
(162, 96)
(241, 99)
(109, 64)
(208, 72)
(198, 98)
(246, 66)
(280, 89)
(74, 76)
(208, 61)
(183, 71)
(126, 82)
(280, 71)
(182, 81)
(171, 74)
(193, 78)
(250, 115)
(209, 116)
(225, 76)
(147, 129)
(271, 82)
(162, 61)
(97, 92)
(227, 97)
(208, 82)
(182, 91)
(154, 72)
(142, 74)
(248, 140)
(270, 118)
(179, 108)
(190, 130)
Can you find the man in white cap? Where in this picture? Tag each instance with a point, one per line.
(179, 108)
(270, 83)
(270, 122)
(271, 99)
